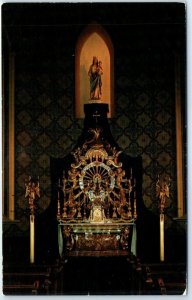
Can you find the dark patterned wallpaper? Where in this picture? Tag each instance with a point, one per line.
(144, 120)
(45, 125)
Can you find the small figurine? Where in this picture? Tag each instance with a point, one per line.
(95, 72)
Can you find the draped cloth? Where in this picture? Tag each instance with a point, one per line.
(134, 240)
(60, 241)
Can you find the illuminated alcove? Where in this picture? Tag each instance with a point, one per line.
(93, 42)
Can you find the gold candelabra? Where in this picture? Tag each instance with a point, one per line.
(116, 197)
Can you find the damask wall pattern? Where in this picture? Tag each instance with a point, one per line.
(45, 124)
(145, 120)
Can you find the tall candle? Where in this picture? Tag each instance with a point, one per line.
(162, 237)
(32, 239)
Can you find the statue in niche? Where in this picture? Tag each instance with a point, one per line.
(95, 72)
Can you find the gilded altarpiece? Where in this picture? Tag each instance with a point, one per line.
(96, 201)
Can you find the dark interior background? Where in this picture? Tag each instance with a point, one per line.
(148, 40)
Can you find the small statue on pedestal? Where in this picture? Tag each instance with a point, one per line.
(95, 72)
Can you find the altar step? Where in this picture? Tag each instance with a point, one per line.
(95, 276)
(119, 276)
(99, 276)
(164, 279)
(29, 279)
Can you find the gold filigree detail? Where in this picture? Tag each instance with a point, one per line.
(96, 188)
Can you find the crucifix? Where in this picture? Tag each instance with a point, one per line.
(96, 115)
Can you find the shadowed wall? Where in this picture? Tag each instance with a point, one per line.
(144, 106)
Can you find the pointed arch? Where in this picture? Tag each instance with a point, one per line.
(94, 41)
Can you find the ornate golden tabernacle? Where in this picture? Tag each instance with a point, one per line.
(96, 200)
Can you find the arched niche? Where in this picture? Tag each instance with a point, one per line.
(94, 41)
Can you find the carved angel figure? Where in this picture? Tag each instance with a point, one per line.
(162, 192)
(32, 191)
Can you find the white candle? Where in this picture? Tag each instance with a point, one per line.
(161, 237)
(32, 239)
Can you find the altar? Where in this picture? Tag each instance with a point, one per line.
(110, 239)
(96, 202)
